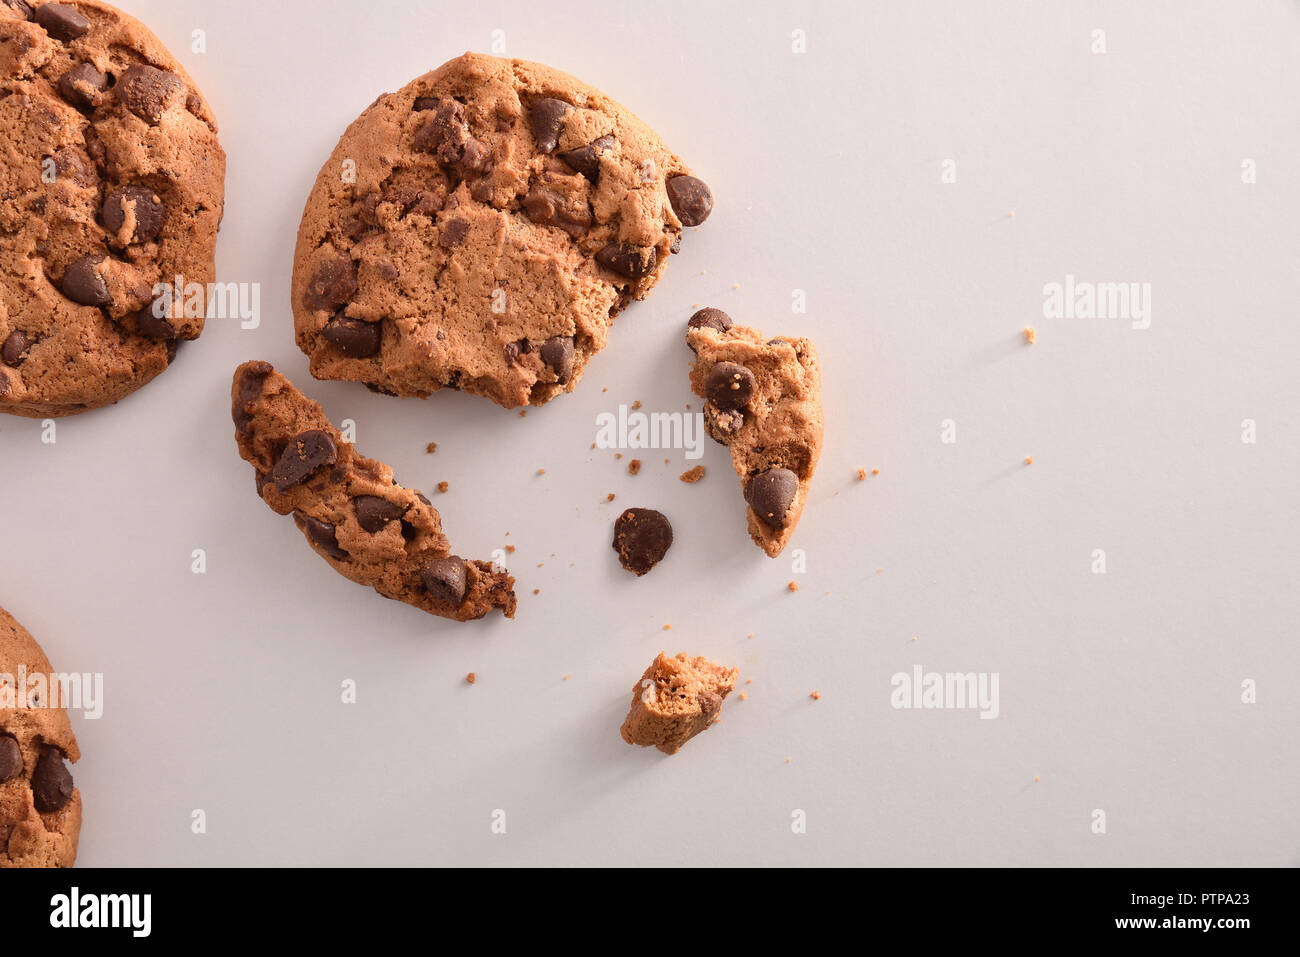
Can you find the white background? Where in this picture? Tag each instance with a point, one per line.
(1119, 692)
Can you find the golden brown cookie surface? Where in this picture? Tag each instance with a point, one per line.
(113, 184)
(480, 229)
(40, 808)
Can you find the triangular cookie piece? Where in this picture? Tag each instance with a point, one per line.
(763, 400)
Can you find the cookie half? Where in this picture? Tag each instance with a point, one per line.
(763, 401)
(40, 807)
(350, 508)
(480, 229)
(112, 183)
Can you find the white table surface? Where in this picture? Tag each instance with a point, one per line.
(1120, 692)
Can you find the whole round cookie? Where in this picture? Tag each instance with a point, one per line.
(40, 807)
(111, 187)
(480, 229)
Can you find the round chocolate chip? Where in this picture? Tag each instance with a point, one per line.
(586, 159)
(324, 535)
(730, 385)
(153, 326)
(62, 21)
(630, 261)
(82, 282)
(374, 513)
(145, 90)
(83, 86)
(304, 454)
(332, 284)
(770, 493)
(642, 537)
(355, 338)
(691, 199)
(557, 352)
(51, 781)
(11, 759)
(138, 208)
(547, 119)
(710, 318)
(445, 579)
(16, 347)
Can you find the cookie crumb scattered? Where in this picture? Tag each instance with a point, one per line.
(1031, 335)
(565, 678)
(510, 549)
(668, 627)
(816, 696)
(743, 696)
(609, 497)
(749, 681)
(443, 486)
(523, 413)
(537, 591)
(541, 471)
(618, 455)
(862, 475)
(1037, 779)
(634, 467)
(693, 475)
(471, 678)
(431, 448)
(875, 471)
(636, 405)
(750, 635)
(793, 586)
(1029, 460)
(593, 445)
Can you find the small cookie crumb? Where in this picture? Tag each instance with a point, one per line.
(565, 678)
(1029, 460)
(862, 475)
(743, 696)
(510, 549)
(693, 475)
(471, 678)
(541, 471)
(618, 455)
(634, 467)
(793, 586)
(537, 591)
(636, 405)
(431, 448)
(668, 627)
(1031, 335)
(875, 471)
(522, 413)
(609, 497)
(816, 696)
(443, 486)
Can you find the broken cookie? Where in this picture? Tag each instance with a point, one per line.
(762, 399)
(480, 229)
(350, 508)
(675, 700)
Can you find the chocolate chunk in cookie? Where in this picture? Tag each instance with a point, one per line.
(730, 386)
(354, 338)
(642, 537)
(83, 282)
(51, 782)
(148, 91)
(710, 318)
(557, 353)
(627, 260)
(11, 758)
(16, 347)
(333, 282)
(444, 578)
(305, 454)
(770, 494)
(374, 513)
(62, 21)
(546, 116)
(323, 534)
(83, 86)
(134, 214)
(691, 199)
(586, 159)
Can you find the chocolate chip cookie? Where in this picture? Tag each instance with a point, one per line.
(480, 229)
(675, 700)
(763, 400)
(111, 181)
(40, 807)
(350, 508)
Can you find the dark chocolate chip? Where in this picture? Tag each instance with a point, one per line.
(423, 498)
(11, 759)
(374, 513)
(323, 534)
(710, 318)
(730, 385)
(153, 326)
(770, 493)
(547, 119)
(630, 261)
(82, 282)
(642, 537)
(4, 384)
(586, 159)
(83, 85)
(445, 579)
(51, 781)
(447, 134)
(453, 233)
(423, 103)
(710, 703)
(557, 352)
(143, 205)
(145, 91)
(332, 284)
(15, 348)
(302, 457)
(252, 377)
(63, 21)
(691, 199)
(721, 424)
(355, 338)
